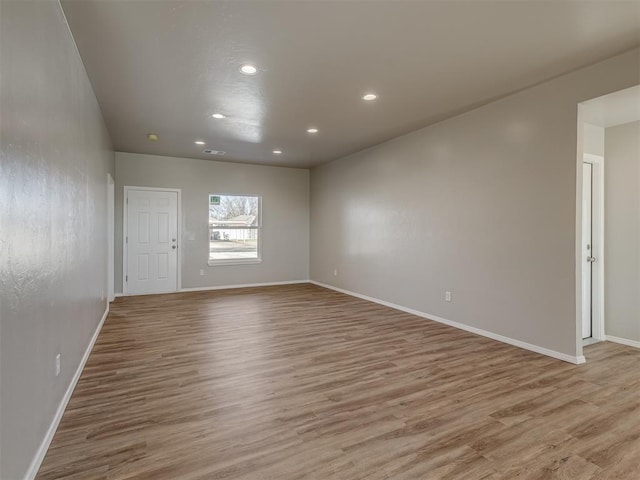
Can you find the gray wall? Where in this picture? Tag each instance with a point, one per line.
(622, 231)
(593, 139)
(483, 205)
(55, 155)
(285, 215)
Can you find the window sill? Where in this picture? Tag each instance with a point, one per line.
(239, 261)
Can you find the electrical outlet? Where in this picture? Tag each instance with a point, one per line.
(447, 296)
(335, 272)
(202, 272)
(57, 364)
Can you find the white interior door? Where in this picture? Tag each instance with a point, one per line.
(151, 241)
(587, 249)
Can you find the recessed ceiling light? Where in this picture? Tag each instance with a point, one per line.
(277, 152)
(152, 137)
(199, 142)
(248, 69)
(312, 130)
(369, 97)
(218, 115)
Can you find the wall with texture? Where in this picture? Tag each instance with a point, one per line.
(285, 215)
(55, 155)
(622, 231)
(482, 205)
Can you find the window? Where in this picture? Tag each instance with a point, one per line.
(234, 229)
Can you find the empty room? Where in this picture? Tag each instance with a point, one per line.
(311, 239)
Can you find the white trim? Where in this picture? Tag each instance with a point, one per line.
(578, 232)
(234, 261)
(623, 341)
(44, 446)
(125, 233)
(111, 226)
(244, 285)
(485, 333)
(592, 158)
(597, 286)
(258, 228)
(598, 330)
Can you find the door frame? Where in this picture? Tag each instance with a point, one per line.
(597, 247)
(111, 223)
(125, 253)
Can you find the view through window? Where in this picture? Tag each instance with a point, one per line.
(234, 228)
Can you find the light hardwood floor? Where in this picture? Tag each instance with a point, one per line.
(299, 382)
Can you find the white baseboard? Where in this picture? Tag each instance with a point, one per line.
(118, 294)
(623, 341)
(44, 446)
(485, 333)
(243, 285)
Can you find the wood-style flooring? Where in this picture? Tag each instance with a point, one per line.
(298, 381)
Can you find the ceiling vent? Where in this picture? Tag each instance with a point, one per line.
(208, 151)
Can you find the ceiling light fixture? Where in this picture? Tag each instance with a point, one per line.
(248, 69)
(312, 130)
(369, 97)
(199, 142)
(152, 137)
(277, 152)
(218, 115)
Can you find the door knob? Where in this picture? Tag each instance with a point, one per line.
(174, 246)
(591, 259)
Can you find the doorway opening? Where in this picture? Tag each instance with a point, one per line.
(592, 252)
(608, 219)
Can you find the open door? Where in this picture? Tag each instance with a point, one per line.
(587, 250)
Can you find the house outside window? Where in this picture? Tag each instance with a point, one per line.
(234, 229)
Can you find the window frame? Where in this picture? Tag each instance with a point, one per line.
(258, 227)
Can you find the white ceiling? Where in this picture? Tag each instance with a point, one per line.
(166, 66)
(614, 109)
